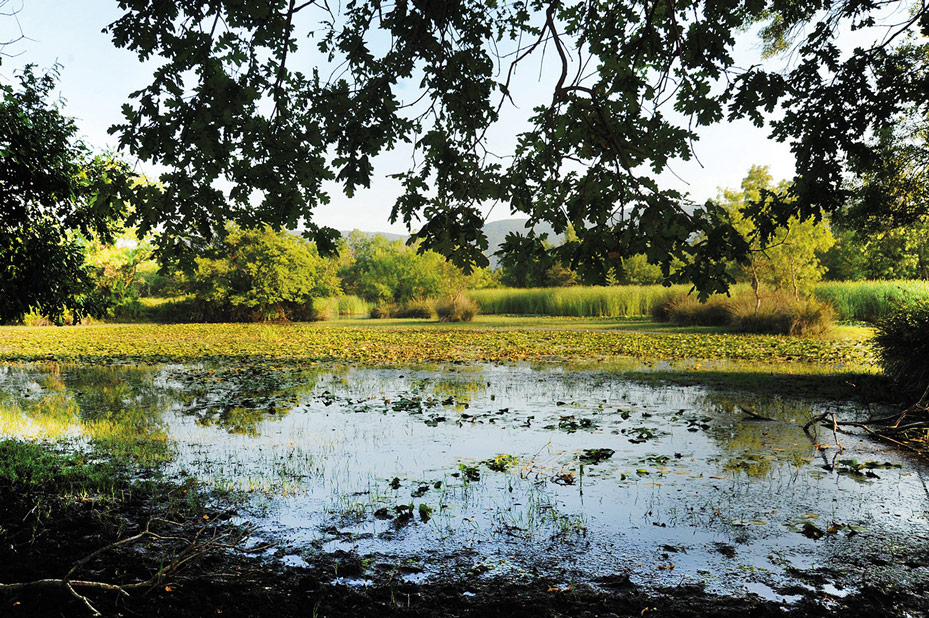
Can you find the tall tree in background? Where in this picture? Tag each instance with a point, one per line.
(275, 98)
(790, 261)
(885, 224)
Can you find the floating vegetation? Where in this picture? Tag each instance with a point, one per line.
(301, 343)
(502, 463)
(593, 456)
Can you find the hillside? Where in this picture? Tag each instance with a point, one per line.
(495, 231)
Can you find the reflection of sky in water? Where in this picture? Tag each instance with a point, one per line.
(693, 482)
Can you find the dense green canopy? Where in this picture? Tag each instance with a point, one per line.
(53, 195)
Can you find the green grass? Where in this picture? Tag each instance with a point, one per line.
(29, 464)
(866, 301)
(580, 301)
(869, 301)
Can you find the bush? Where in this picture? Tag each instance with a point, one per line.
(383, 310)
(687, 310)
(458, 309)
(418, 309)
(780, 314)
(903, 347)
(321, 309)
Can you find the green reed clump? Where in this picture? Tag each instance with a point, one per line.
(869, 301)
(903, 347)
(457, 309)
(349, 305)
(580, 301)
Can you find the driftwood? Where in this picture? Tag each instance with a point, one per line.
(208, 537)
(890, 428)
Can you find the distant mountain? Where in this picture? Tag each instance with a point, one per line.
(386, 235)
(495, 231)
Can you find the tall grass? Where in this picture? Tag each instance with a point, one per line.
(606, 302)
(866, 301)
(339, 307)
(870, 301)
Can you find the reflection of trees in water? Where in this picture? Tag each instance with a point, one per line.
(118, 408)
(457, 391)
(41, 398)
(753, 446)
(240, 399)
(123, 408)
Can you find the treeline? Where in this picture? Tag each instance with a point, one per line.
(262, 274)
(846, 247)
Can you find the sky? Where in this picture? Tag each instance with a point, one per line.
(97, 78)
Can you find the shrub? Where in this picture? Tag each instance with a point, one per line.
(903, 347)
(321, 309)
(457, 309)
(383, 310)
(780, 314)
(349, 305)
(418, 309)
(687, 310)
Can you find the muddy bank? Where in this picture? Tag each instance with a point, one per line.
(42, 536)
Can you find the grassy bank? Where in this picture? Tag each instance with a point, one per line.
(853, 300)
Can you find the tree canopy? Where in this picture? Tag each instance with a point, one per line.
(54, 195)
(255, 105)
(791, 261)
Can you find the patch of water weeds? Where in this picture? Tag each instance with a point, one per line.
(339, 458)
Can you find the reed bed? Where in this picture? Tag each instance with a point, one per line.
(870, 301)
(582, 301)
(865, 301)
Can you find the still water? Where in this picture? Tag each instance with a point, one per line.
(487, 469)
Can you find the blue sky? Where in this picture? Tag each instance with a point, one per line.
(96, 79)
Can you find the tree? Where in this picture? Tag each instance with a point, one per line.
(53, 195)
(384, 271)
(118, 273)
(542, 271)
(262, 274)
(790, 261)
(884, 224)
(242, 98)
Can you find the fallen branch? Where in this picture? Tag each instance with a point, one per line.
(755, 415)
(195, 547)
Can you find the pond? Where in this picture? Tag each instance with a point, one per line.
(485, 470)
